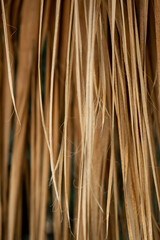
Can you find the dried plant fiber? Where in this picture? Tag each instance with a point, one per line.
(80, 119)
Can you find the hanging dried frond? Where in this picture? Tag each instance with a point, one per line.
(80, 119)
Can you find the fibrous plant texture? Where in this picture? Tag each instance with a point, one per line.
(79, 119)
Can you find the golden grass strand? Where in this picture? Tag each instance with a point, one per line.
(83, 80)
